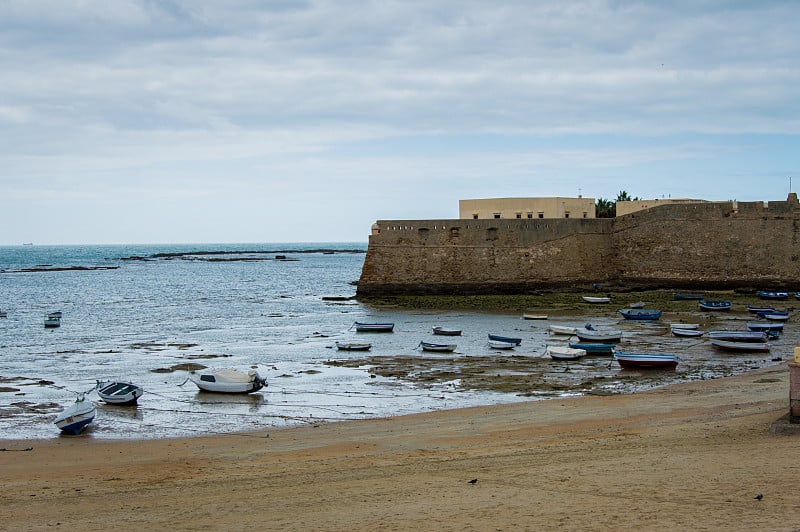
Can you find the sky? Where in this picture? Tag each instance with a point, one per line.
(238, 121)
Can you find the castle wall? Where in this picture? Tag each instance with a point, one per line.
(710, 245)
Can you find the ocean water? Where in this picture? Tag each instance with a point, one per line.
(138, 312)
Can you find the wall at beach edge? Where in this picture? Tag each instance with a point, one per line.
(720, 245)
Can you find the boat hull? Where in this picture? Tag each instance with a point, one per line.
(748, 347)
(227, 381)
(352, 346)
(505, 339)
(374, 327)
(443, 331)
(439, 348)
(75, 418)
(646, 361)
(119, 392)
(640, 314)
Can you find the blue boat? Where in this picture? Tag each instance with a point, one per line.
(774, 315)
(640, 313)
(373, 327)
(75, 418)
(765, 326)
(773, 295)
(594, 348)
(710, 304)
(506, 339)
(755, 309)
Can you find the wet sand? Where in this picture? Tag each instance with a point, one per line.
(689, 456)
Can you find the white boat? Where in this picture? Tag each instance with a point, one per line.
(593, 299)
(557, 352)
(444, 331)
(727, 345)
(373, 327)
(51, 321)
(687, 333)
(74, 418)
(353, 346)
(684, 326)
(594, 335)
(119, 392)
(441, 348)
(562, 329)
(531, 316)
(227, 380)
(499, 344)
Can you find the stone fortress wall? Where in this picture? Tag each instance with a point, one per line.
(714, 245)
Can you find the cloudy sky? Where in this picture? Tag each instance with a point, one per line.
(198, 121)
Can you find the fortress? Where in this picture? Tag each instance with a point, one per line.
(708, 245)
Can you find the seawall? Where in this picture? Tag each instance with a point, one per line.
(721, 245)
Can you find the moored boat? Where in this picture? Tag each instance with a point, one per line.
(594, 348)
(532, 316)
(561, 329)
(227, 380)
(440, 348)
(373, 327)
(727, 345)
(444, 331)
(498, 344)
(596, 299)
(507, 339)
(51, 321)
(687, 333)
(686, 297)
(710, 304)
(684, 326)
(353, 346)
(119, 392)
(765, 326)
(774, 315)
(640, 313)
(738, 336)
(645, 361)
(75, 418)
(755, 309)
(591, 334)
(773, 295)
(557, 352)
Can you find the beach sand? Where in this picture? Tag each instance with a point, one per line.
(692, 456)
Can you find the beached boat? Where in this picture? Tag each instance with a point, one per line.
(497, 344)
(684, 325)
(593, 348)
(687, 333)
(640, 313)
(440, 348)
(686, 297)
(507, 339)
(774, 315)
(3, 314)
(738, 336)
(709, 304)
(773, 295)
(727, 345)
(645, 361)
(557, 352)
(373, 327)
(75, 418)
(444, 331)
(755, 309)
(591, 334)
(561, 329)
(774, 326)
(51, 321)
(119, 392)
(227, 380)
(353, 346)
(531, 316)
(596, 299)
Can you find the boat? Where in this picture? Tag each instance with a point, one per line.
(353, 346)
(738, 336)
(684, 325)
(56, 314)
(227, 380)
(444, 331)
(588, 333)
(119, 392)
(557, 352)
(774, 295)
(497, 344)
(709, 304)
(75, 418)
(594, 348)
(765, 326)
(3, 314)
(527, 316)
(638, 304)
(755, 309)
(507, 339)
(687, 333)
(686, 297)
(775, 315)
(562, 329)
(440, 348)
(640, 313)
(645, 361)
(727, 345)
(51, 321)
(373, 327)
(596, 299)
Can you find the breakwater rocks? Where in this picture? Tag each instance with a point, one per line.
(711, 246)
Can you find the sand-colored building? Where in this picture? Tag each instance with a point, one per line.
(532, 208)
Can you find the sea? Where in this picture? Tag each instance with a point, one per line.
(142, 312)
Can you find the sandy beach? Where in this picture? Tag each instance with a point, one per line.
(691, 456)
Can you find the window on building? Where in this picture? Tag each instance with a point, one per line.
(585, 214)
(541, 215)
(530, 215)
(475, 216)
(497, 215)
(519, 215)
(566, 214)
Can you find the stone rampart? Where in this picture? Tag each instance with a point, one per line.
(703, 245)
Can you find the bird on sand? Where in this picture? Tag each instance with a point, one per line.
(759, 497)
(473, 481)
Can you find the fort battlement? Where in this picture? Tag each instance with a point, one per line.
(713, 245)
